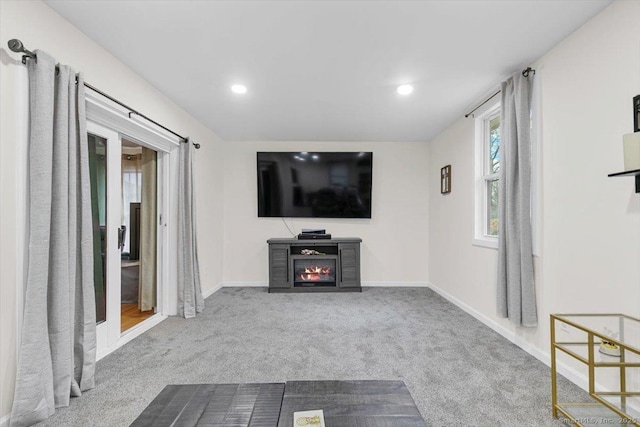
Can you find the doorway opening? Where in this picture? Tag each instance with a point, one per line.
(137, 235)
(125, 194)
(130, 177)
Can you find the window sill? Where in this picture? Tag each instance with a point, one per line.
(486, 242)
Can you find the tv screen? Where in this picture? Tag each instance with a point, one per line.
(314, 184)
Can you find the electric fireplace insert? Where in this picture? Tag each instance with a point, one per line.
(314, 270)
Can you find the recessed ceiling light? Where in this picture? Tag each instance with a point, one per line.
(405, 89)
(240, 89)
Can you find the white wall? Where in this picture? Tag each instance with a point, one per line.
(394, 247)
(39, 27)
(591, 223)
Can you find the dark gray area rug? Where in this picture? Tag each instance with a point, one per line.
(210, 405)
(459, 372)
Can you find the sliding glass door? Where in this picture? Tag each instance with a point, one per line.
(98, 175)
(105, 150)
(124, 194)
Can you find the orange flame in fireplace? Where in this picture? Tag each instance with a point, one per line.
(314, 273)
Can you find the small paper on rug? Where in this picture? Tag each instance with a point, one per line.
(308, 418)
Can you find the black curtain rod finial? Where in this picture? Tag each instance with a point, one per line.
(188, 140)
(527, 71)
(16, 45)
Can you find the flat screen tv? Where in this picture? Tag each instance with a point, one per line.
(314, 184)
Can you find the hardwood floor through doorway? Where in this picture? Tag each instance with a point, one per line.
(131, 316)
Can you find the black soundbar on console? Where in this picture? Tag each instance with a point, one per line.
(312, 236)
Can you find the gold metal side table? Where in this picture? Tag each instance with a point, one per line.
(583, 336)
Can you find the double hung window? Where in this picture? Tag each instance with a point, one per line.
(487, 181)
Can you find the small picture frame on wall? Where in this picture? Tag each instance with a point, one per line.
(636, 113)
(445, 180)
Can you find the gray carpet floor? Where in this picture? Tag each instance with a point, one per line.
(459, 372)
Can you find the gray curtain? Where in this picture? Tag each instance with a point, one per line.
(148, 232)
(58, 345)
(190, 299)
(516, 287)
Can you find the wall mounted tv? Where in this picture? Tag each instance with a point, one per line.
(314, 184)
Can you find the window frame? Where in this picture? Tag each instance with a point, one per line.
(482, 175)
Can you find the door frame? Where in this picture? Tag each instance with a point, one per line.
(102, 112)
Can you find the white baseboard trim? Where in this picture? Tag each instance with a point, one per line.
(565, 370)
(206, 294)
(261, 284)
(245, 284)
(377, 284)
(132, 333)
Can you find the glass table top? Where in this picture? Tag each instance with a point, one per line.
(617, 328)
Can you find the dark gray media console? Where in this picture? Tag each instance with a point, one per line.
(335, 269)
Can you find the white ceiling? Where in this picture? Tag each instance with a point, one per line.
(327, 70)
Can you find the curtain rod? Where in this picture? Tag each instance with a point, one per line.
(16, 46)
(525, 73)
